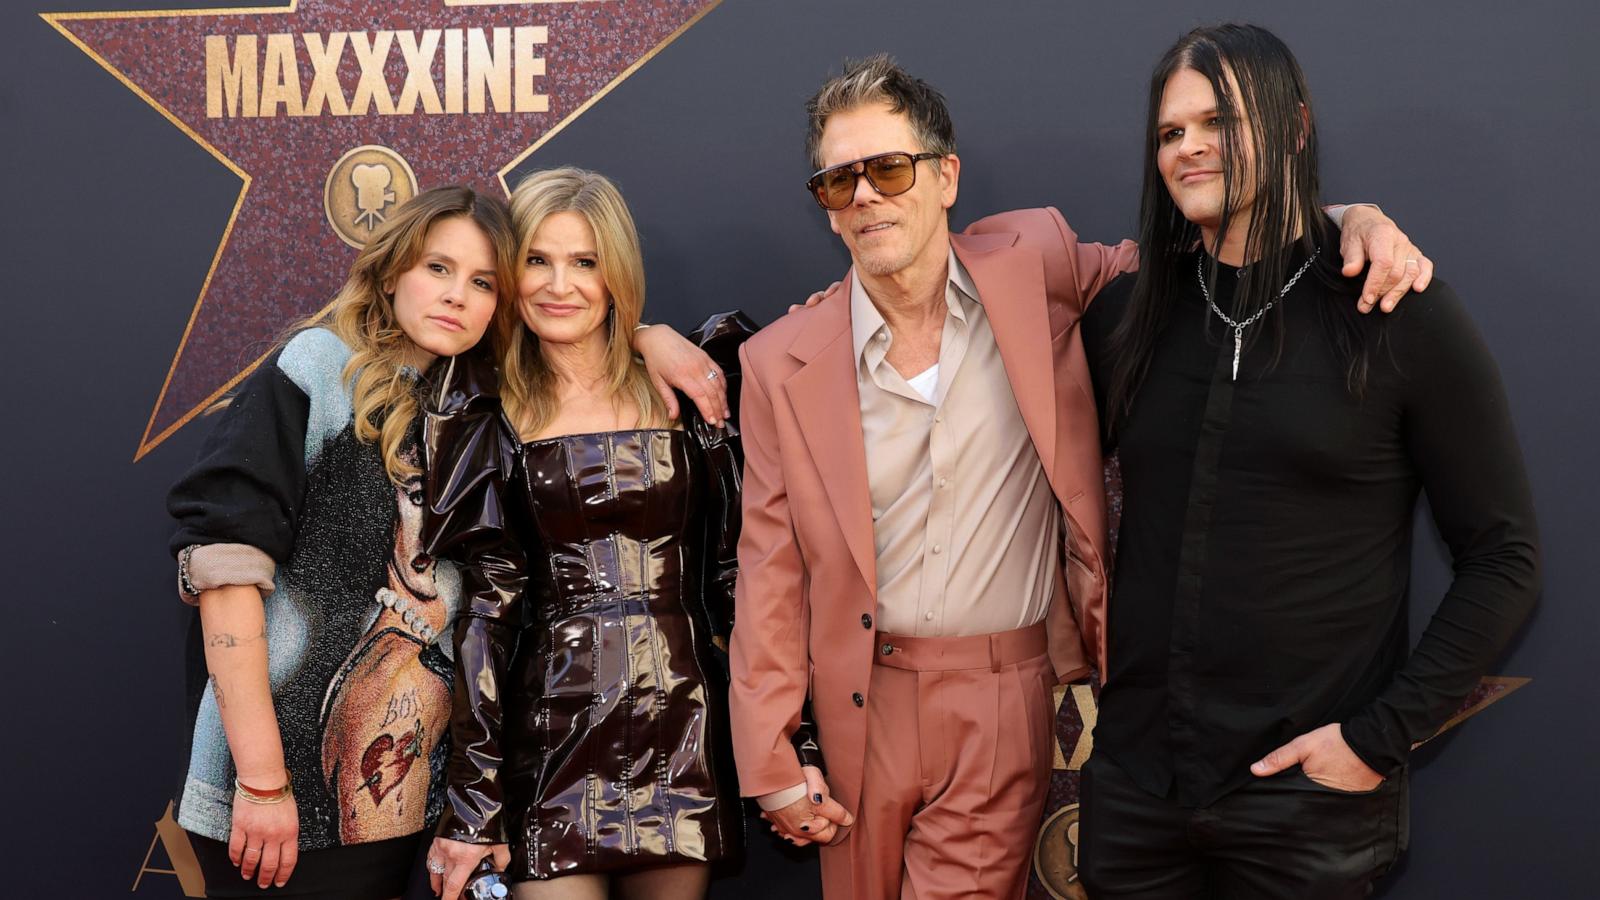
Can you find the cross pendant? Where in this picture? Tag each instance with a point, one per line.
(1238, 340)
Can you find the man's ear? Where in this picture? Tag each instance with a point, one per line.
(949, 179)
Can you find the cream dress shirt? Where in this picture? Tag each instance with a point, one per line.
(966, 528)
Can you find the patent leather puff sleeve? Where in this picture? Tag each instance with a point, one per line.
(470, 458)
(720, 337)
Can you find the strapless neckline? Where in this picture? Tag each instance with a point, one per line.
(596, 434)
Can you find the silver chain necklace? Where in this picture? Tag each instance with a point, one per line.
(1239, 327)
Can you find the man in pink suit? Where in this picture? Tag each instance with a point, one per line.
(924, 522)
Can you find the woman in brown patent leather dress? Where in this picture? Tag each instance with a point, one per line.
(589, 731)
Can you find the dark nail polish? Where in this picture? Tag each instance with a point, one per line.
(805, 827)
(816, 798)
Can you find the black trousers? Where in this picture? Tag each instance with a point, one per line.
(379, 870)
(1284, 836)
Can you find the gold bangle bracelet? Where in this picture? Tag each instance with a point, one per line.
(264, 798)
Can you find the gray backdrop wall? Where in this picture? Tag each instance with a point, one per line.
(1474, 124)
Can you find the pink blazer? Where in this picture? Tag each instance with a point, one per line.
(807, 589)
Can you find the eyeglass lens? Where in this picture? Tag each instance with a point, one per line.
(889, 175)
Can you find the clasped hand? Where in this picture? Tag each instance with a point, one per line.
(816, 818)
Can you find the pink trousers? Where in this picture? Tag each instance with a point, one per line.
(957, 769)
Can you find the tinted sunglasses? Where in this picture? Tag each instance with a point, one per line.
(890, 174)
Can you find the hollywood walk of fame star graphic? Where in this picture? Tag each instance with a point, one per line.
(278, 259)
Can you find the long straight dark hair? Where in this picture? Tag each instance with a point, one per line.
(1286, 210)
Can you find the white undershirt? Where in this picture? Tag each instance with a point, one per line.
(926, 384)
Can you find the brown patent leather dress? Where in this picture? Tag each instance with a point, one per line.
(589, 726)
(626, 728)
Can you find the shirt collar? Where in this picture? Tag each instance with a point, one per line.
(866, 322)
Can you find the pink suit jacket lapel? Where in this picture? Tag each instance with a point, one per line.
(1010, 282)
(828, 406)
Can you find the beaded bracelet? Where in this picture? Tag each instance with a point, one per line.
(185, 583)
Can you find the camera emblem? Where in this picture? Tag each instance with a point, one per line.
(364, 186)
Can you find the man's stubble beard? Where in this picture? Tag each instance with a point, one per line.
(880, 264)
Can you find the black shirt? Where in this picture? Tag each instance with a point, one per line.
(1264, 554)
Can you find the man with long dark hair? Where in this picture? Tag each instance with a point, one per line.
(1262, 694)
(924, 527)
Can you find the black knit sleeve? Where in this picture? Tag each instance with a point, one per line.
(249, 480)
(1462, 443)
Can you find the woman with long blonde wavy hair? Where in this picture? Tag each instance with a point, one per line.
(319, 743)
(599, 528)
(537, 373)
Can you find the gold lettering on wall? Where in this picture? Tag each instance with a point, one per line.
(371, 89)
(280, 78)
(185, 866)
(325, 87)
(231, 78)
(489, 69)
(1088, 712)
(486, 70)
(528, 67)
(454, 77)
(419, 78)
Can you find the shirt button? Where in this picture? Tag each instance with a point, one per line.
(943, 481)
(883, 335)
(928, 616)
(936, 549)
(866, 621)
(857, 699)
(938, 420)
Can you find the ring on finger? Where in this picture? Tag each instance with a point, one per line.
(436, 866)
(713, 375)
(250, 850)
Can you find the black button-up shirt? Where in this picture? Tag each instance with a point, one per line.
(1264, 554)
